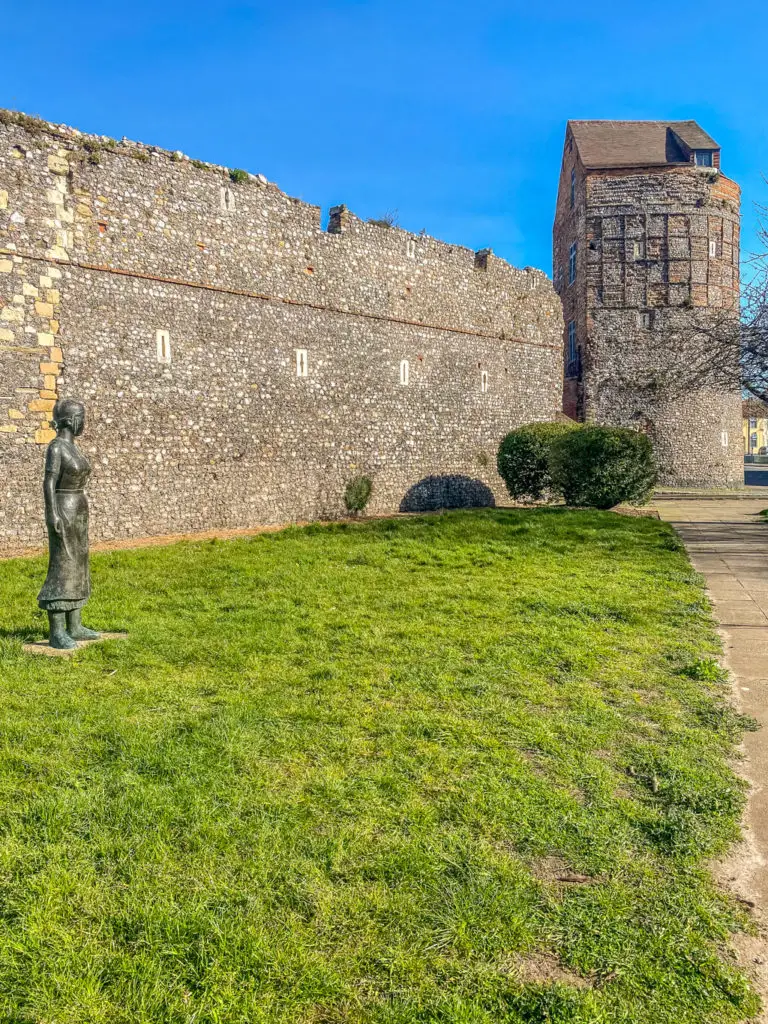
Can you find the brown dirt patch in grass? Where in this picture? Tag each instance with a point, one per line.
(557, 871)
(546, 969)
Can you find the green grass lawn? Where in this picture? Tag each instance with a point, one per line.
(459, 769)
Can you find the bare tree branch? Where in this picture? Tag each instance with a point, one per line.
(690, 349)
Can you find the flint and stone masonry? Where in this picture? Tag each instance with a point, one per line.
(239, 363)
(646, 242)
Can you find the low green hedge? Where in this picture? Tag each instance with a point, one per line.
(586, 465)
(523, 459)
(603, 466)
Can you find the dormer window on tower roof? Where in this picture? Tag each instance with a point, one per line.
(703, 157)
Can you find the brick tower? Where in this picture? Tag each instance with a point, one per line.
(646, 241)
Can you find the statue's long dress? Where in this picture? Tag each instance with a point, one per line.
(68, 583)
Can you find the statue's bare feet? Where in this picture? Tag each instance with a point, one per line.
(62, 642)
(83, 633)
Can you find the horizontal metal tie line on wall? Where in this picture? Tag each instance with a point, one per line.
(270, 298)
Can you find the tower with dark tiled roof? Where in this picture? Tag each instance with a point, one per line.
(646, 241)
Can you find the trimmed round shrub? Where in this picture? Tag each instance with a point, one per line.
(357, 493)
(523, 459)
(603, 466)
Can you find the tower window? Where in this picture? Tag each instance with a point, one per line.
(702, 157)
(573, 188)
(572, 263)
(572, 358)
(410, 248)
(163, 340)
(301, 362)
(405, 371)
(637, 250)
(713, 253)
(484, 381)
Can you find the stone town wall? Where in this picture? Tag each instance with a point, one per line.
(103, 245)
(658, 249)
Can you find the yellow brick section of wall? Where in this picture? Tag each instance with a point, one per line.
(36, 303)
(47, 306)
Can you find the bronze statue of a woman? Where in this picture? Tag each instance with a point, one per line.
(68, 584)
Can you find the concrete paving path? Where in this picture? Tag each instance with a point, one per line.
(728, 543)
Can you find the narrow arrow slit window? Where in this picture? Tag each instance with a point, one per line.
(163, 340)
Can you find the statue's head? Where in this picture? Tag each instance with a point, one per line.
(68, 412)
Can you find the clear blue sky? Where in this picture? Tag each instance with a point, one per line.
(450, 111)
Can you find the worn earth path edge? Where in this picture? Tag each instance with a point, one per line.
(727, 542)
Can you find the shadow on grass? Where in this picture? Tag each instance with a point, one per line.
(25, 636)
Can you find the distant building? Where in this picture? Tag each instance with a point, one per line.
(754, 426)
(646, 237)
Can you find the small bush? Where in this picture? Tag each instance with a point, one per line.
(386, 220)
(357, 493)
(523, 459)
(93, 149)
(238, 175)
(32, 124)
(603, 466)
(705, 670)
